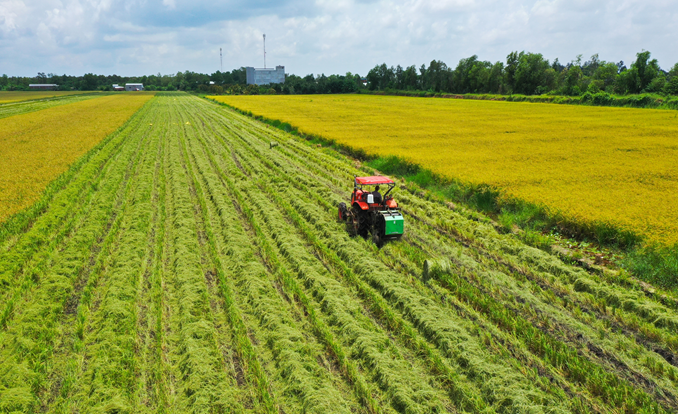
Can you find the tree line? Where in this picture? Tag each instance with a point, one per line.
(183, 81)
(530, 74)
(522, 73)
(234, 82)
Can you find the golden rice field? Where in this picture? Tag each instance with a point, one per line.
(36, 147)
(591, 164)
(17, 96)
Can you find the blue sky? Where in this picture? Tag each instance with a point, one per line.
(134, 37)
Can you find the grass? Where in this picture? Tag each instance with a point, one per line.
(647, 100)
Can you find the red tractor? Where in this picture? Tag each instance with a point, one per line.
(372, 213)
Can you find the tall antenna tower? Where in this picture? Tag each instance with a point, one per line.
(221, 59)
(264, 50)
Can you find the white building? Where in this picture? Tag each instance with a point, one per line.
(134, 86)
(265, 76)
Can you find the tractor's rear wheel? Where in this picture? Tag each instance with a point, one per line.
(378, 231)
(352, 225)
(342, 211)
(360, 222)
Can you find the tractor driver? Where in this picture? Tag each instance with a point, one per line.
(376, 195)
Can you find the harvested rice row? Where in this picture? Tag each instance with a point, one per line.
(563, 319)
(273, 256)
(375, 304)
(292, 290)
(29, 249)
(286, 198)
(112, 367)
(35, 330)
(296, 358)
(518, 304)
(67, 366)
(151, 389)
(555, 289)
(536, 261)
(201, 382)
(302, 185)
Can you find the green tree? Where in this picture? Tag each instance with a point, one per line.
(671, 87)
(511, 67)
(607, 73)
(381, 77)
(672, 73)
(571, 79)
(647, 70)
(473, 76)
(88, 82)
(495, 82)
(529, 73)
(409, 78)
(639, 78)
(438, 76)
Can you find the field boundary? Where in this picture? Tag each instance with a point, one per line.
(532, 223)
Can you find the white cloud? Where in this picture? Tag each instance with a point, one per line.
(145, 36)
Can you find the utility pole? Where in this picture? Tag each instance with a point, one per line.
(264, 50)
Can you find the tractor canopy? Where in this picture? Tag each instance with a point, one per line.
(373, 180)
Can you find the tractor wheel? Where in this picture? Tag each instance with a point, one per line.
(352, 225)
(360, 222)
(342, 211)
(378, 231)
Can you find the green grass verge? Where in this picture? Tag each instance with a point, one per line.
(646, 100)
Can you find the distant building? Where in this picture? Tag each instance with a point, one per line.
(117, 87)
(43, 86)
(134, 86)
(265, 76)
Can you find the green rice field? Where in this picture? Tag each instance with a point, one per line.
(185, 265)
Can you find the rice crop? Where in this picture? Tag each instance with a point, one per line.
(610, 166)
(36, 147)
(24, 107)
(185, 265)
(18, 96)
